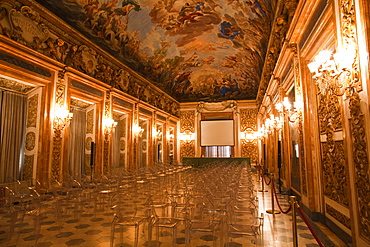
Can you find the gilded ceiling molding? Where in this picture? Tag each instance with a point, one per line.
(277, 38)
(12, 85)
(76, 52)
(228, 105)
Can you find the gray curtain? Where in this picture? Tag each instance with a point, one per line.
(76, 143)
(13, 112)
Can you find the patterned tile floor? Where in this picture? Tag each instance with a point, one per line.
(93, 227)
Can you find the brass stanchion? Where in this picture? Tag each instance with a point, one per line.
(272, 211)
(294, 221)
(263, 182)
(258, 173)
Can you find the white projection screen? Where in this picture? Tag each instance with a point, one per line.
(217, 133)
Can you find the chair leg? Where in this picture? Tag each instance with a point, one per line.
(112, 236)
(174, 235)
(157, 231)
(136, 235)
(150, 230)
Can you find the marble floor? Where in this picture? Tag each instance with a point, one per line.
(91, 226)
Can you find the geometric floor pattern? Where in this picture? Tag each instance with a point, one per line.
(92, 228)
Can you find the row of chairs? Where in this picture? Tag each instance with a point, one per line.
(208, 200)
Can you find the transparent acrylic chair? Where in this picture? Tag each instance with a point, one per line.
(248, 227)
(157, 222)
(201, 220)
(125, 215)
(8, 213)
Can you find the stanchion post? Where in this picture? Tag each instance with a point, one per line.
(258, 172)
(263, 182)
(294, 221)
(272, 211)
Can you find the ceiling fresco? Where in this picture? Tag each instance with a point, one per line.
(194, 50)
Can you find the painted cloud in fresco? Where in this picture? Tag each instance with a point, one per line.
(194, 50)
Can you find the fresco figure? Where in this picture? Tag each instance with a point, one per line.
(229, 86)
(256, 7)
(228, 31)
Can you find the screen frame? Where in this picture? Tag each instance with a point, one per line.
(230, 133)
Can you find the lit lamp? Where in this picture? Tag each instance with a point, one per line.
(249, 134)
(170, 137)
(328, 67)
(187, 136)
(109, 124)
(293, 113)
(62, 118)
(157, 134)
(137, 130)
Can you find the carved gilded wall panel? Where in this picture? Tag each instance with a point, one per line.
(187, 121)
(30, 141)
(361, 160)
(344, 220)
(32, 111)
(57, 138)
(187, 148)
(332, 151)
(32, 134)
(187, 125)
(90, 122)
(248, 119)
(335, 180)
(28, 167)
(250, 149)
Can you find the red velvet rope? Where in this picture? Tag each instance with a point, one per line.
(309, 226)
(290, 206)
(264, 179)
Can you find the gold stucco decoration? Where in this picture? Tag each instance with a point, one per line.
(32, 111)
(30, 141)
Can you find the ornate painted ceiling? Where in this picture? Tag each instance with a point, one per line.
(194, 50)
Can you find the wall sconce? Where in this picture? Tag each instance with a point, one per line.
(328, 67)
(157, 134)
(62, 118)
(272, 123)
(249, 134)
(170, 137)
(137, 130)
(292, 112)
(108, 124)
(187, 136)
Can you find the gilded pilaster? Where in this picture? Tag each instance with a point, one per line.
(57, 138)
(357, 118)
(187, 127)
(248, 125)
